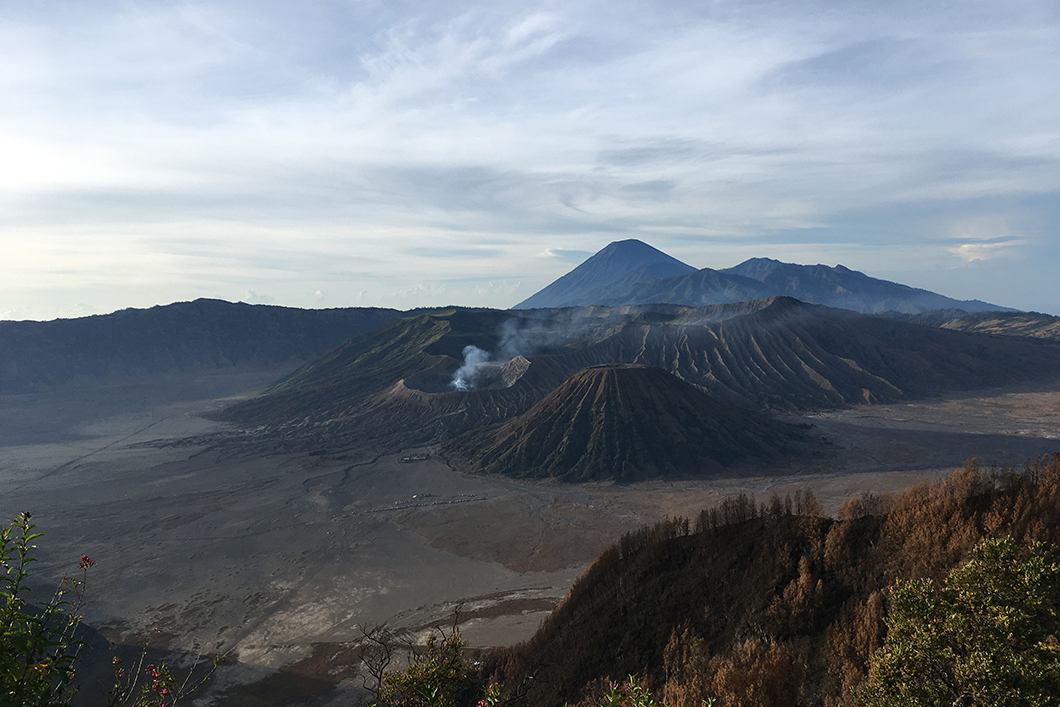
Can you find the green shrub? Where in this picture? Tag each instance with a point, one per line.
(436, 677)
(988, 638)
(38, 647)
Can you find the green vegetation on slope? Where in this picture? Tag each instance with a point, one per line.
(987, 638)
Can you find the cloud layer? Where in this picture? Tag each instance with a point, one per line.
(390, 153)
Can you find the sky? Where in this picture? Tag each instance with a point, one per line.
(342, 153)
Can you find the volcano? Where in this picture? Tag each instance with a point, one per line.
(392, 387)
(624, 423)
(632, 272)
(603, 277)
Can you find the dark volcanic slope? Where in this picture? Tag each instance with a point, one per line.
(391, 387)
(410, 362)
(788, 355)
(626, 423)
(423, 346)
(608, 273)
(1033, 324)
(186, 336)
(774, 354)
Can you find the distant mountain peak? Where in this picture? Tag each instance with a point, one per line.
(633, 248)
(631, 272)
(606, 274)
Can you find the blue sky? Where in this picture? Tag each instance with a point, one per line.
(362, 152)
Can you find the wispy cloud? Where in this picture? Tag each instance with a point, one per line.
(570, 256)
(970, 252)
(370, 150)
(985, 237)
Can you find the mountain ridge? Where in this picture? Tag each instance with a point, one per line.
(777, 354)
(840, 286)
(601, 280)
(204, 334)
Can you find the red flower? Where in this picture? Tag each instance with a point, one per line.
(85, 562)
(150, 668)
(157, 684)
(121, 672)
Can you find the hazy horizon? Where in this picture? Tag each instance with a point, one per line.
(318, 306)
(360, 153)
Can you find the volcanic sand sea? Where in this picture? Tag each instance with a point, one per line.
(271, 558)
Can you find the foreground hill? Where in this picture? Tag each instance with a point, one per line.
(181, 337)
(624, 422)
(633, 273)
(767, 604)
(394, 386)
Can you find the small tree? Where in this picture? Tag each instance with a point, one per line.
(988, 638)
(378, 646)
(37, 643)
(435, 678)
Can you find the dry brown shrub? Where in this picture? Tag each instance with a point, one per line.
(795, 607)
(867, 504)
(807, 588)
(850, 642)
(687, 679)
(756, 674)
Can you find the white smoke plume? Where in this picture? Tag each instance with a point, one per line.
(465, 376)
(523, 336)
(538, 331)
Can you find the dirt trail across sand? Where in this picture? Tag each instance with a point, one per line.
(270, 558)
